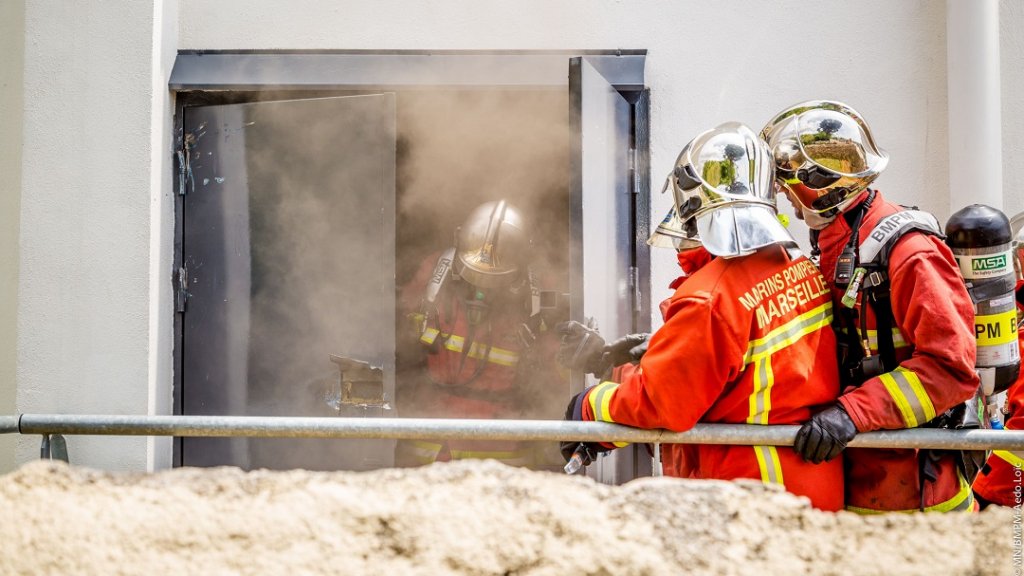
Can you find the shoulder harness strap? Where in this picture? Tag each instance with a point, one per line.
(874, 258)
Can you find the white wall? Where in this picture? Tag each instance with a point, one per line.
(1011, 52)
(94, 315)
(708, 62)
(12, 44)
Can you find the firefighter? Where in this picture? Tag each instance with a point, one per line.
(1000, 479)
(907, 351)
(477, 340)
(622, 356)
(741, 337)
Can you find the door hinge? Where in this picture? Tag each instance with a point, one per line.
(185, 180)
(634, 283)
(634, 186)
(182, 293)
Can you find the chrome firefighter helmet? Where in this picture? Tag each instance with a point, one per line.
(824, 154)
(674, 233)
(723, 182)
(491, 246)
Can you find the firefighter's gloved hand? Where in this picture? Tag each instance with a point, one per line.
(629, 348)
(589, 450)
(825, 435)
(582, 348)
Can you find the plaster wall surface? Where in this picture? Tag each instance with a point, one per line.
(88, 284)
(1011, 53)
(708, 62)
(12, 51)
(94, 227)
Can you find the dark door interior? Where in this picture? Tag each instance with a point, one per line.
(288, 243)
(307, 213)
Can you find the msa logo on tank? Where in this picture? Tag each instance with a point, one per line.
(985, 266)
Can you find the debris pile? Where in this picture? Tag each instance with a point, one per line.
(461, 518)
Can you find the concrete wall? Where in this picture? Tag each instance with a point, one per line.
(94, 326)
(12, 51)
(94, 238)
(708, 62)
(1011, 53)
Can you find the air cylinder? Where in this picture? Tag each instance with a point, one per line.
(980, 238)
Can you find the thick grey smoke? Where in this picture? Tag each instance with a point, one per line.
(325, 264)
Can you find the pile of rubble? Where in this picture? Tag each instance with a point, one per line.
(462, 518)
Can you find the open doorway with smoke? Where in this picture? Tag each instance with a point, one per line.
(397, 235)
(304, 227)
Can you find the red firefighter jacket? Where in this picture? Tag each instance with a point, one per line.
(740, 344)
(478, 383)
(1001, 480)
(935, 347)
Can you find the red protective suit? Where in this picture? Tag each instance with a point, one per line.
(740, 344)
(1001, 480)
(459, 385)
(935, 346)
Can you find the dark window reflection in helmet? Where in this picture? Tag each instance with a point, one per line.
(830, 199)
(687, 178)
(693, 204)
(816, 177)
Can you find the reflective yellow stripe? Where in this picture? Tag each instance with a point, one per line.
(769, 464)
(600, 398)
(898, 341)
(423, 452)
(454, 343)
(759, 352)
(789, 332)
(962, 501)
(1015, 459)
(429, 335)
(909, 395)
(761, 397)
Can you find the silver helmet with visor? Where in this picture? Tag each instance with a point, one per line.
(723, 183)
(492, 246)
(824, 154)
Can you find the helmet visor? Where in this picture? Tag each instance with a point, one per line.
(830, 157)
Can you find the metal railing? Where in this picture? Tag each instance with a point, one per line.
(451, 429)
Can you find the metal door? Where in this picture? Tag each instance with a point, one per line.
(288, 253)
(603, 236)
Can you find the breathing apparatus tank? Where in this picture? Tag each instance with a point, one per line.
(980, 238)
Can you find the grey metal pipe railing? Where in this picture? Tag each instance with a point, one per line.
(524, 430)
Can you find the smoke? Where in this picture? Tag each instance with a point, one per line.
(325, 263)
(458, 149)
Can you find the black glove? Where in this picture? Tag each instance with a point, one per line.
(581, 348)
(574, 412)
(825, 435)
(629, 348)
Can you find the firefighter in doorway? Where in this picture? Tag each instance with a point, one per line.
(999, 481)
(904, 318)
(481, 345)
(742, 336)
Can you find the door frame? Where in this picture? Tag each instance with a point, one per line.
(213, 77)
